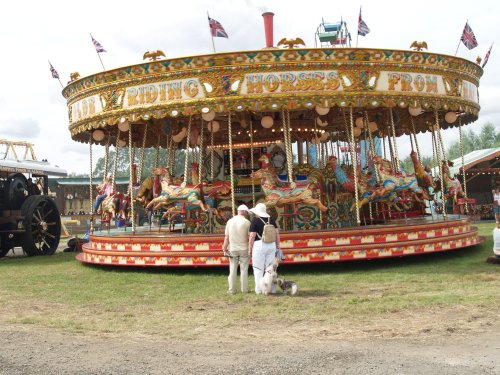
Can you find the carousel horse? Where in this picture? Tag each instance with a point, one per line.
(111, 204)
(452, 187)
(424, 178)
(367, 195)
(151, 187)
(347, 182)
(192, 194)
(278, 196)
(396, 182)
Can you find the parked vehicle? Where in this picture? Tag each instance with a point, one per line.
(28, 215)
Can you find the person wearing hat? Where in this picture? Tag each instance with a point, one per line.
(236, 240)
(262, 253)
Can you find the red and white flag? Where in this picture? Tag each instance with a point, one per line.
(487, 56)
(216, 28)
(468, 38)
(363, 28)
(53, 71)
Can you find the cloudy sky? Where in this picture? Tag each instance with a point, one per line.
(33, 32)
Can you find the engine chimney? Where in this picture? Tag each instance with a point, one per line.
(268, 28)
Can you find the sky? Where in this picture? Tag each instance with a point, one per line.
(33, 32)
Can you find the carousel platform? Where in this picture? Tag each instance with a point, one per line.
(154, 247)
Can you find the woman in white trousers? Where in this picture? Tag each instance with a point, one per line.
(262, 253)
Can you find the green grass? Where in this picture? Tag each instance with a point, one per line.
(59, 292)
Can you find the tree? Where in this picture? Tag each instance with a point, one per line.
(407, 164)
(123, 165)
(489, 137)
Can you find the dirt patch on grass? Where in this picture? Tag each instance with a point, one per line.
(448, 341)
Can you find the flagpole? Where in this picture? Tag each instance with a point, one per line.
(466, 22)
(210, 30)
(59, 79)
(357, 34)
(103, 68)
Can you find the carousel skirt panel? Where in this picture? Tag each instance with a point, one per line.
(156, 248)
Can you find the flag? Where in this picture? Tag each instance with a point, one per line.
(468, 37)
(363, 28)
(53, 71)
(98, 47)
(216, 28)
(487, 57)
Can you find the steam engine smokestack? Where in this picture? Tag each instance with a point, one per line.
(268, 28)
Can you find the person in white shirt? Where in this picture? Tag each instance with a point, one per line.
(236, 247)
(496, 204)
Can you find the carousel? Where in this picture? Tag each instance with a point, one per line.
(311, 132)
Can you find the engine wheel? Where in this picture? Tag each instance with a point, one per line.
(42, 225)
(16, 191)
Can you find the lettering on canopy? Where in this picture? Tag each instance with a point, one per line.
(411, 82)
(162, 92)
(262, 83)
(469, 92)
(85, 108)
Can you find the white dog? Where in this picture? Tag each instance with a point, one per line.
(270, 277)
(288, 287)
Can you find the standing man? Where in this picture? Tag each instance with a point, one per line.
(236, 240)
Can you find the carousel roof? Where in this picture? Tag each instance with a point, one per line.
(473, 158)
(156, 99)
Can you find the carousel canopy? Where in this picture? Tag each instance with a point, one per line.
(316, 86)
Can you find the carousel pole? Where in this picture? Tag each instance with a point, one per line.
(141, 163)
(285, 139)
(106, 157)
(415, 136)
(289, 154)
(157, 154)
(200, 165)
(90, 187)
(411, 143)
(230, 135)
(396, 158)
(212, 151)
(372, 151)
(316, 142)
(354, 165)
(115, 162)
(391, 149)
(383, 147)
(171, 155)
(307, 152)
(461, 139)
(251, 161)
(440, 164)
(443, 151)
(131, 181)
(186, 158)
(435, 164)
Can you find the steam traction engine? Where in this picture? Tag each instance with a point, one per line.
(28, 215)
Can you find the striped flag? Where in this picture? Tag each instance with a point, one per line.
(53, 71)
(468, 38)
(98, 47)
(216, 29)
(363, 28)
(487, 56)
